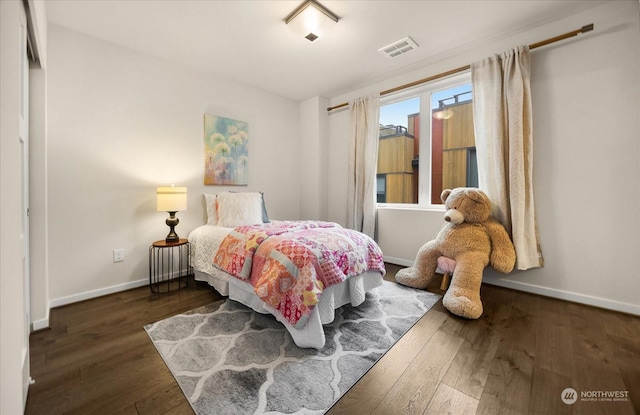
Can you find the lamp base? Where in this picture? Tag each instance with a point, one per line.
(172, 222)
(172, 238)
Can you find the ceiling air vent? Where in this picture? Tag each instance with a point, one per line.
(399, 47)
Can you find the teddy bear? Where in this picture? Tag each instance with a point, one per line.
(471, 238)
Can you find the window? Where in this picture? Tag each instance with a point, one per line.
(417, 160)
(381, 188)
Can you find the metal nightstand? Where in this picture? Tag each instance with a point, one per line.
(169, 266)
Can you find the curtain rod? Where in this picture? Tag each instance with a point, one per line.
(583, 29)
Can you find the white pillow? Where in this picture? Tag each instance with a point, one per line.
(212, 208)
(212, 213)
(237, 209)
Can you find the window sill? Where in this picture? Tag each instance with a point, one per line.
(410, 207)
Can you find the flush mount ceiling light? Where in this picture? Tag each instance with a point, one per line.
(311, 20)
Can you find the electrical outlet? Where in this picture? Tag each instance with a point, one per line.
(118, 255)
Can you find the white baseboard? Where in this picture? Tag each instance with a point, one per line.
(565, 295)
(546, 291)
(398, 261)
(43, 323)
(57, 302)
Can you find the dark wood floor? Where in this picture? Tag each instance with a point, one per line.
(516, 359)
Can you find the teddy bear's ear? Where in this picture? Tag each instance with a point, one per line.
(445, 194)
(475, 195)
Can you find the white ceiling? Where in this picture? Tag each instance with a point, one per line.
(248, 41)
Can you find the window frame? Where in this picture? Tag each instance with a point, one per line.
(424, 173)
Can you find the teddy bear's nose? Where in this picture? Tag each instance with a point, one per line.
(455, 217)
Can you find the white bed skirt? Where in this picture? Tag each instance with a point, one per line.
(311, 334)
(219, 282)
(351, 291)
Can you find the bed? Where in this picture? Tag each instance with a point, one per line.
(298, 271)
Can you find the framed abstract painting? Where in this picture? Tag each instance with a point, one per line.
(226, 151)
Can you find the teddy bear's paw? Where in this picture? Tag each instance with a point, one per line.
(407, 277)
(462, 305)
(503, 265)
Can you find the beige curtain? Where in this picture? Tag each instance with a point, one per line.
(503, 129)
(363, 157)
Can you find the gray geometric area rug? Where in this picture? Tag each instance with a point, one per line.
(229, 359)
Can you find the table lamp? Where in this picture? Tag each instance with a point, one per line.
(171, 199)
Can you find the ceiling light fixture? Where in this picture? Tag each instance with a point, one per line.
(311, 19)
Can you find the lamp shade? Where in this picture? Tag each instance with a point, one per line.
(171, 199)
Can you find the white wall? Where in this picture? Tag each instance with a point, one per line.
(38, 182)
(121, 123)
(586, 177)
(313, 158)
(38, 172)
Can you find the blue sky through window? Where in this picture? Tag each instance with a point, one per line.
(396, 113)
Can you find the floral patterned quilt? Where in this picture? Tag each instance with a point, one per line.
(290, 264)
